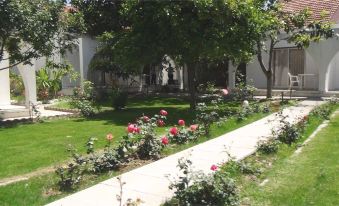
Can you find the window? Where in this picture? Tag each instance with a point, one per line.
(287, 60)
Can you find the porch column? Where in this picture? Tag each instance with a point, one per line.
(231, 75)
(5, 97)
(28, 76)
(181, 78)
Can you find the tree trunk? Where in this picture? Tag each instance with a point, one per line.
(269, 85)
(191, 85)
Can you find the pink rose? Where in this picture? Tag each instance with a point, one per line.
(163, 112)
(131, 128)
(174, 131)
(194, 127)
(137, 129)
(164, 140)
(160, 123)
(145, 119)
(224, 92)
(109, 136)
(214, 167)
(181, 122)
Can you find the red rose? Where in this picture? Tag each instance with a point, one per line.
(194, 127)
(145, 119)
(224, 92)
(164, 140)
(214, 167)
(163, 112)
(131, 128)
(181, 122)
(137, 129)
(160, 123)
(109, 136)
(174, 131)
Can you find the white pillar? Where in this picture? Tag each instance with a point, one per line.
(5, 97)
(181, 78)
(5, 87)
(81, 62)
(231, 75)
(28, 76)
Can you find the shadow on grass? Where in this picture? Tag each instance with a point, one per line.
(123, 117)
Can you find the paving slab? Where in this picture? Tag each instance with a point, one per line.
(150, 182)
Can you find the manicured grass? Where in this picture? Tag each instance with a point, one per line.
(27, 147)
(41, 190)
(310, 178)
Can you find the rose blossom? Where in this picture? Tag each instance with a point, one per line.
(224, 92)
(174, 131)
(160, 123)
(194, 127)
(181, 122)
(137, 129)
(214, 167)
(164, 140)
(131, 128)
(145, 118)
(109, 136)
(163, 112)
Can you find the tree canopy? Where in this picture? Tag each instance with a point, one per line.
(35, 28)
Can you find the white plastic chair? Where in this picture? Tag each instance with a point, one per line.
(293, 80)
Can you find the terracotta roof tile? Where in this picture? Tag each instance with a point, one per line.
(316, 6)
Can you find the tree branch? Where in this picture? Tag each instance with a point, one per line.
(259, 56)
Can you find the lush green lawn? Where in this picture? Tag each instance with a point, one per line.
(310, 178)
(27, 147)
(41, 190)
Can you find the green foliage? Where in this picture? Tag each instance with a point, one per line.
(34, 28)
(243, 90)
(287, 132)
(119, 99)
(323, 111)
(49, 78)
(83, 99)
(185, 135)
(16, 85)
(196, 188)
(70, 176)
(268, 146)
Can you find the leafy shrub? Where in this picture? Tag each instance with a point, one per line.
(196, 188)
(206, 117)
(86, 107)
(243, 91)
(181, 134)
(70, 176)
(268, 146)
(149, 147)
(323, 111)
(287, 133)
(83, 99)
(119, 99)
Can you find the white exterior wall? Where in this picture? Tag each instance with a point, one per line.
(5, 98)
(87, 49)
(321, 59)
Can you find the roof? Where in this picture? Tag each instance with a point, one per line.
(316, 6)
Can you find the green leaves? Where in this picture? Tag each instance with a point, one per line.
(35, 28)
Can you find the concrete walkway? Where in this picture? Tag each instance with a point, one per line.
(150, 184)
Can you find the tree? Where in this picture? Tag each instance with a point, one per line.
(188, 31)
(100, 15)
(35, 28)
(274, 24)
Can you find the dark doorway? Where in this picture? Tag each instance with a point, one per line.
(240, 74)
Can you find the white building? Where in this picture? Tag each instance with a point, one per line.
(317, 65)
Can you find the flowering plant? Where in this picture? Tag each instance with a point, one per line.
(181, 134)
